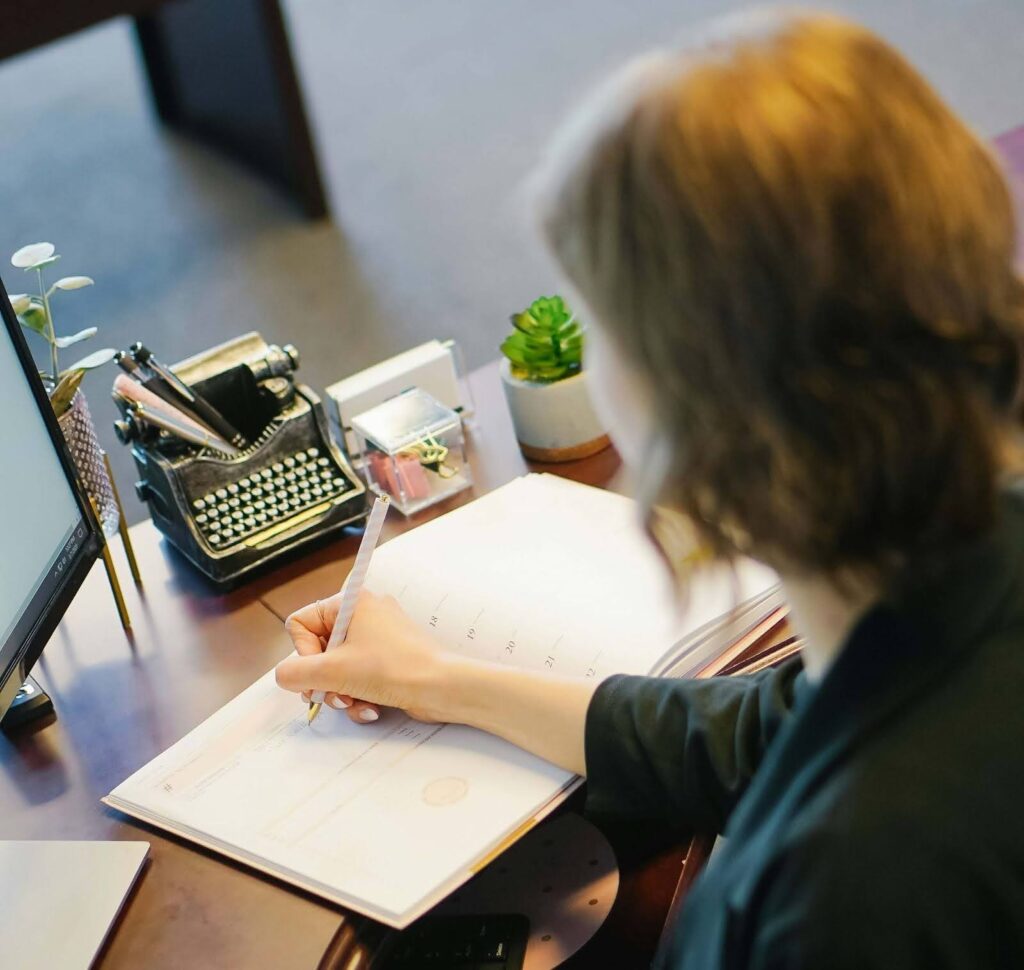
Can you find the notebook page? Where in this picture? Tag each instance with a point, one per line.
(548, 574)
(375, 816)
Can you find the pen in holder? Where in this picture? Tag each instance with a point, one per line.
(231, 510)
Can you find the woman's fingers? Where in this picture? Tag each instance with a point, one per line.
(312, 670)
(338, 701)
(310, 627)
(306, 673)
(363, 713)
(312, 673)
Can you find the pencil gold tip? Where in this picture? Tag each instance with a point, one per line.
(314, 709)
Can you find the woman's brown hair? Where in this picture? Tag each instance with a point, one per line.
(809, 259)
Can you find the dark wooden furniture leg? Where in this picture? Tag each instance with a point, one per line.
(222, 70)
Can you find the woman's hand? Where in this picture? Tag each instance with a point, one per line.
(386, 660)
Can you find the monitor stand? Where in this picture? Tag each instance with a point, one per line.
(30, 704)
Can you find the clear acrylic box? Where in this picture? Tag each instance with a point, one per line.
(412, 449)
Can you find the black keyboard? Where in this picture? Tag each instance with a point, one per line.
(271, 500)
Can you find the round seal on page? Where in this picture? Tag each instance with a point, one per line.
(445, 791)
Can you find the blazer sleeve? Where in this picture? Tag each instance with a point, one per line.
(682, 749)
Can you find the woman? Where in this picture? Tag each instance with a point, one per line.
(797, 268)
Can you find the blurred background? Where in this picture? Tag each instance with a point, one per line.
(426, 116)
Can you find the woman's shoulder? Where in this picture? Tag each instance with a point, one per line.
(943, 775)
(913, 843)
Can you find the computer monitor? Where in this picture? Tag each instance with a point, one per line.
(49, 538)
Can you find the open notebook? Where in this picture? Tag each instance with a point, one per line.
(388, 818)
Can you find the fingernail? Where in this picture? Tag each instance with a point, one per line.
(368, 714)
(337, 703)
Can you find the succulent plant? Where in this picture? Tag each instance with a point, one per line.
(547, 342)
(34, 313)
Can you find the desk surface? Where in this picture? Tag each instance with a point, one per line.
(121, 700)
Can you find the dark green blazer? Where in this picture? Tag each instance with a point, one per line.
(874, 821)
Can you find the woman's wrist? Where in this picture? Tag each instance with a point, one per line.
(542, 713)
(453, 688)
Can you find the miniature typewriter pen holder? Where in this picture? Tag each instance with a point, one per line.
(231, 510)
(412, 449)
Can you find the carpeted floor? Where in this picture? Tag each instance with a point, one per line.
(428, 114)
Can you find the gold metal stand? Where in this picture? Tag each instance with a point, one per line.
(122, 524)
(108, 565)
(129, 551)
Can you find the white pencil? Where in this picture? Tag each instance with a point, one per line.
(351, 589)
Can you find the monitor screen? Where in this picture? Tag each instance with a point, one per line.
(47, 540)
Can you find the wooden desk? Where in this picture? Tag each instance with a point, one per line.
(121, 701)
(219, 70)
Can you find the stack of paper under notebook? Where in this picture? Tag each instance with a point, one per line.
(390, 817)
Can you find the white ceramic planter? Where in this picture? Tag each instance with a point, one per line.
(553, 422)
